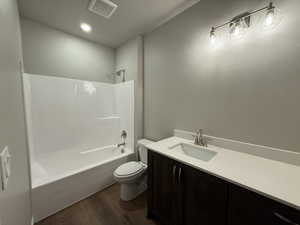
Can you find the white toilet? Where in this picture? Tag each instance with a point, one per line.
(132, 175)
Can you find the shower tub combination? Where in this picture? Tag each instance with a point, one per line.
(73, 130)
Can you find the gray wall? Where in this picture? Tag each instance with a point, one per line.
(247, 89)
(129, 56)
(51, 52)
(15, 207)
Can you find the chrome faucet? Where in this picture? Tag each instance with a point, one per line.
(199, 139)
(123, 137)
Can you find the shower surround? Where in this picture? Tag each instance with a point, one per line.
(73, 128)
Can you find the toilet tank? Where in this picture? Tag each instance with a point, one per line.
(142, 149)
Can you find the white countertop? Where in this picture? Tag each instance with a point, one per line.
(276, 180)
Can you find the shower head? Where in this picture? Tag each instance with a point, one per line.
(121, 73)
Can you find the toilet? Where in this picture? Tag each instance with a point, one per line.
(132, 175)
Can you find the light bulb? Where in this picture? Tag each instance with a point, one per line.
(236, 30)
(213, 39)
(269, 18)
(270, 15)
(212, 36)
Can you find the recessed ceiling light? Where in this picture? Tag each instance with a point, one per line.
(85, 27)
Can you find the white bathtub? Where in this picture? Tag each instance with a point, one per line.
(62, 178)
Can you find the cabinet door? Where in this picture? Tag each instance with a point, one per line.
(161, 190)
(249, 208)
(204, 198)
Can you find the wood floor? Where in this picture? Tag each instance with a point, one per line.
(103, 208)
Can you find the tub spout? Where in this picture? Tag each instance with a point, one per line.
(121, 144)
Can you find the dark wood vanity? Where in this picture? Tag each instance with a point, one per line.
(181, 195)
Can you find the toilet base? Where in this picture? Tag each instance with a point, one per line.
(130, 191)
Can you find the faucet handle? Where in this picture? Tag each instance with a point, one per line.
(199, 140)
(123, 134)
(196, 137)
(199, 131)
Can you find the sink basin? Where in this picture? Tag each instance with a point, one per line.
(198, 152)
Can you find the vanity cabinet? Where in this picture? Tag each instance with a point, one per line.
(181, 195)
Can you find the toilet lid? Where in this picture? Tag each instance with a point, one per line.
(129, 169)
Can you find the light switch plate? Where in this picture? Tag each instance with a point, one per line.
(4, 167)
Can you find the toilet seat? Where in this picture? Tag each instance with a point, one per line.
(132, 176)
(129, 169)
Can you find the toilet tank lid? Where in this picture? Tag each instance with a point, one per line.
(144, 142)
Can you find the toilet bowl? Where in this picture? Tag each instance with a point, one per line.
(132, 175)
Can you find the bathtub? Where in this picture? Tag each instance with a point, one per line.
(63, 178)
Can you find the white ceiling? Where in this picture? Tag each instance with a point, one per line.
(131, 18)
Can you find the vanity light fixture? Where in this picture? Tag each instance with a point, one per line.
(243, 21)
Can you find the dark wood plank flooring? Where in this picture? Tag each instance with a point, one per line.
(103, 208)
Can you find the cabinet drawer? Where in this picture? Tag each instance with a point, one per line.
(249, 208)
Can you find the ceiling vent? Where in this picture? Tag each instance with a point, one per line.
(103, 8)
